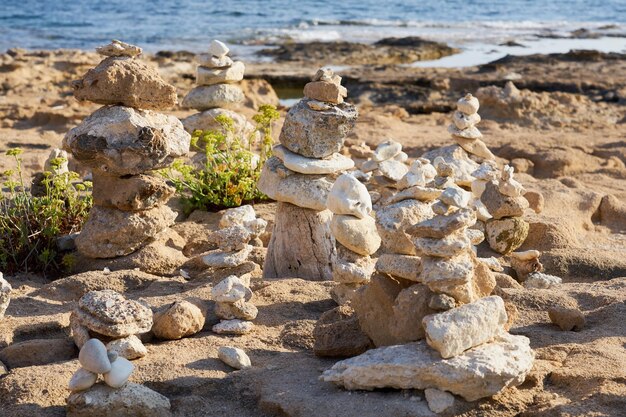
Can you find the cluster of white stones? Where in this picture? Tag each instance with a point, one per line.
(5, 295)
(239, 232)
(107, 316)
(232, 305)
(355, 232)
(217, 93)
(300, 175)
(94, 360)
(122, 143)
(386, 164)
(463, 128)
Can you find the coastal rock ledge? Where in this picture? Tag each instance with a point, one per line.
(477, 373)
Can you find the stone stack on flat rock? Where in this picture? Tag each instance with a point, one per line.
(355, 232)
(5, 295)
(232, 305)
(107, 316)
(464, 131)
(217, 92)
(122, 143)
(504, 199)
(115, 396)
(486, 172)
(300, 176)
(466, 350)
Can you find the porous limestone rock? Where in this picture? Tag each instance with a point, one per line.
(392, 169)
(210, 76)
(401, 266)
(500, 205)
(337, 334)
(178, 320)
(123, 141)
(108, 313)
(470, 325)
(235, 326)
(230, 290)
(240, 309)
(317, 134)
(281, 184)
(234, 357)
(129, 347)
(127, 82)
(455, 156)
(468, 104)
(542, 281)
(352, 270)
(119, 48)
(387, 150)
(218, 48)
(132, 400)
(208, 120)
(393, 220)
(134, 193)
(358, 235)
(108, 232)
(507, 234)
(237, 216)
(441, 226)
(220, 259)
(438, 401)
(303, 165)
(567, 318)
(205, 97)
(210, 61)
(477, 373)
(5, 295)
(349, 196)
(325, 91)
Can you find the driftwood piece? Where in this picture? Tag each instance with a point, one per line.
(302, 245)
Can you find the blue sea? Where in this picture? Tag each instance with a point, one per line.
(478, 27)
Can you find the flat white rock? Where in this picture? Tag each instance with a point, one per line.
(349, 196)
(454, 331)
(220, 259)
(298, 163)
(477, 373)
(218, 48)
(392, 169)
(129, 347)
(229, 290)
(455, 196)
(82, 379)
(233, 327)
(234, 357)
(542, 281)
(93, 357)
(120, 371)
(237, 216)
(387, 150)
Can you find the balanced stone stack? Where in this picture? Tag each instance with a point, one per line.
(122, 143)
(216, 92)
(387, 163)
(5, 295)
(107, 316)
(300, 176)
(232, 305)
(116, 397)
(486, 172)
(463, 128)
(355, 232)
(466, 350)
(504, 199)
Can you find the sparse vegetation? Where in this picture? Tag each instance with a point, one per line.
(30, 225)
(227, 174)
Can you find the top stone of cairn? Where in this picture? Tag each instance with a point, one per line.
(326, 87)
(218, 49)
(119, 48)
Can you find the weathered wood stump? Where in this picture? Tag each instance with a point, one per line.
(302, 245)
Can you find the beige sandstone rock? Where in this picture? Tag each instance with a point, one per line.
(358, 235)
(178, 320)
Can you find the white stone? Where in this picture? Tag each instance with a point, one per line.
(481, 210)
(235, 326)
(469, 133)
(446, 247)
(5, 295)
(468, 104)
(211, 76)
(205, 97)
(234, 357)
(487, 171)
(210, 61)
(464, 121)
(62, 164)
(416, 192)
(508, 185)
(459, 329)
(392, 169)
(460, 161)
(93, 357)
(298, 163)
(318, 105)
(349, 271)
(492, 263)
(237, 216)
(82, 380)
(401, 157)
(218, 48)
(455, 196)
(349, 196)
(220, 259)
(387, 150)
(542, 281)
(477, 373)
(528, 255)
(129, 347)
(403, 266)
(118, 48)
(229, 290)
(120, 371)
(438, 401)
(131, 400)
(369, 166)
(358, 235)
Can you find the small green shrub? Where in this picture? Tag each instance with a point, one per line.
(228, 174)
(29, 226)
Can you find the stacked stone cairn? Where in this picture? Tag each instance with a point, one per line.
(122, 143)
(232, 305)
(504, 199)
(107, 316)
(355, 232)
(463, 128)
(236, 238)
(466, 350)
(300, 175)
(116, 396)
(387, 163)
(5, 295)
(216, 92)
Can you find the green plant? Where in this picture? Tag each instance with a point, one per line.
(30, 225)
(229, 170)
